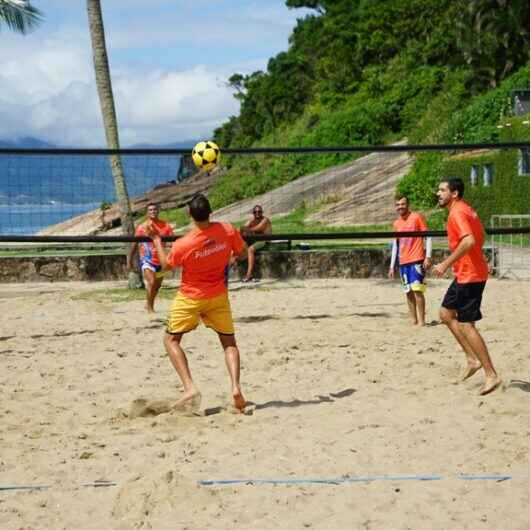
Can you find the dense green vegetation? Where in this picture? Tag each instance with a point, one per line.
(477, 121)
(507, 195)
(368, 72)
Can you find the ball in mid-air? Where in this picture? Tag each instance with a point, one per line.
(206, 155)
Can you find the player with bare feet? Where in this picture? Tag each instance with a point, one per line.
(149, 263)
(461, 304)
(204, 254)
(414, 258)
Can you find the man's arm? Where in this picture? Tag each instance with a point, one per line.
(465, 245)
(393, 259)
(260, 227)
(157, 242)
(422, 225)
(130, 255)
(153, 233)
(427, 262)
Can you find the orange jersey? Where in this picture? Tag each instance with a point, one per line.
(203, 255)
(147, 250)
(462, 221)
(411, 249)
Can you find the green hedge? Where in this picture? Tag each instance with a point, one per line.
(509, 192)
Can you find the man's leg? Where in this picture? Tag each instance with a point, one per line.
(149, 280)
(420, 307)
(251, 259)
(475, 340)
(411, 302)
(448, 317)
(157, 283)
(231, 350)
(180, 363)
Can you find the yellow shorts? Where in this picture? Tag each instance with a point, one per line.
(185, 313)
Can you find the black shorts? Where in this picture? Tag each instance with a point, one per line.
(465, 299)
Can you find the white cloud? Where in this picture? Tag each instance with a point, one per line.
(47, 86)
(39, 98)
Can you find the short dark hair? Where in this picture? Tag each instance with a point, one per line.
(258, 206)
(200, 208)
(400, 196)
(155, 204)
(455, 184)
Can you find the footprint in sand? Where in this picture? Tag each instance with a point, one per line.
(142, 408)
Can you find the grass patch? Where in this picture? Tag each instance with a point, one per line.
(122, 295)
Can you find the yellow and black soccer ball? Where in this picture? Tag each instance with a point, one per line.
(206, 155)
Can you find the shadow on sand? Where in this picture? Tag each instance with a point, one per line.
(520, 384)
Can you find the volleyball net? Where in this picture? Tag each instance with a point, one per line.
(67, 196)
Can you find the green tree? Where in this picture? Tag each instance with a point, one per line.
(110, 122)
(493, 36)
(19, 15)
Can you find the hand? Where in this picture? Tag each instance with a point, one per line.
(427, 264)
(391, 273)
(440, 270)
(151, 230)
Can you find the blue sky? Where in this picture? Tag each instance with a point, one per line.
(169, 63)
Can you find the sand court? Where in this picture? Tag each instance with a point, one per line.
(339, 385)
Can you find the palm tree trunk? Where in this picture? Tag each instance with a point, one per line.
(110, 122)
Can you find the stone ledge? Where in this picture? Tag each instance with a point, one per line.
(355, 263)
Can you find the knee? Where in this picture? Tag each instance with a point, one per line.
(172, 339)
(418, 295)
(446, 316)
(227, 341)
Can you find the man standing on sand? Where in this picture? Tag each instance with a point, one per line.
(414, 259)
(204, 254)
(149, 263)
(461, 304)
(257, 226)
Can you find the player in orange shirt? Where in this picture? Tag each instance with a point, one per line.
(461, 304)
(149, 263)
(204, 254)
(414, 258)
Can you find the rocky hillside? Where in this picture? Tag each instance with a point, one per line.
(355, 193)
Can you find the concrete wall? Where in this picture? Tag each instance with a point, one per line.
(357, 263)
(47, 268)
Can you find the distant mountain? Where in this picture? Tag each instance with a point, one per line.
(26, 142)
(29, 142)
(174, 145)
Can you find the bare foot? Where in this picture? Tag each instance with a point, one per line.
(491, 384)
(189, 402)
(239, 399)
(472, 368)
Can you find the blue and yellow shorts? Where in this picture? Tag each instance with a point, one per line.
(413, 277)
(145, 264)
(185, 314)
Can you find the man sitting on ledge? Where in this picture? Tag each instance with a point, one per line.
(259, 225)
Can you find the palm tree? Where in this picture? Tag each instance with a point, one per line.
(110, 122)
(19, 15)
(493, 37)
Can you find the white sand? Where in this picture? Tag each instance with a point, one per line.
(341, 386)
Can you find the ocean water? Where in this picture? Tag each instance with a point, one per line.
(39, 191)
(29, 219)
